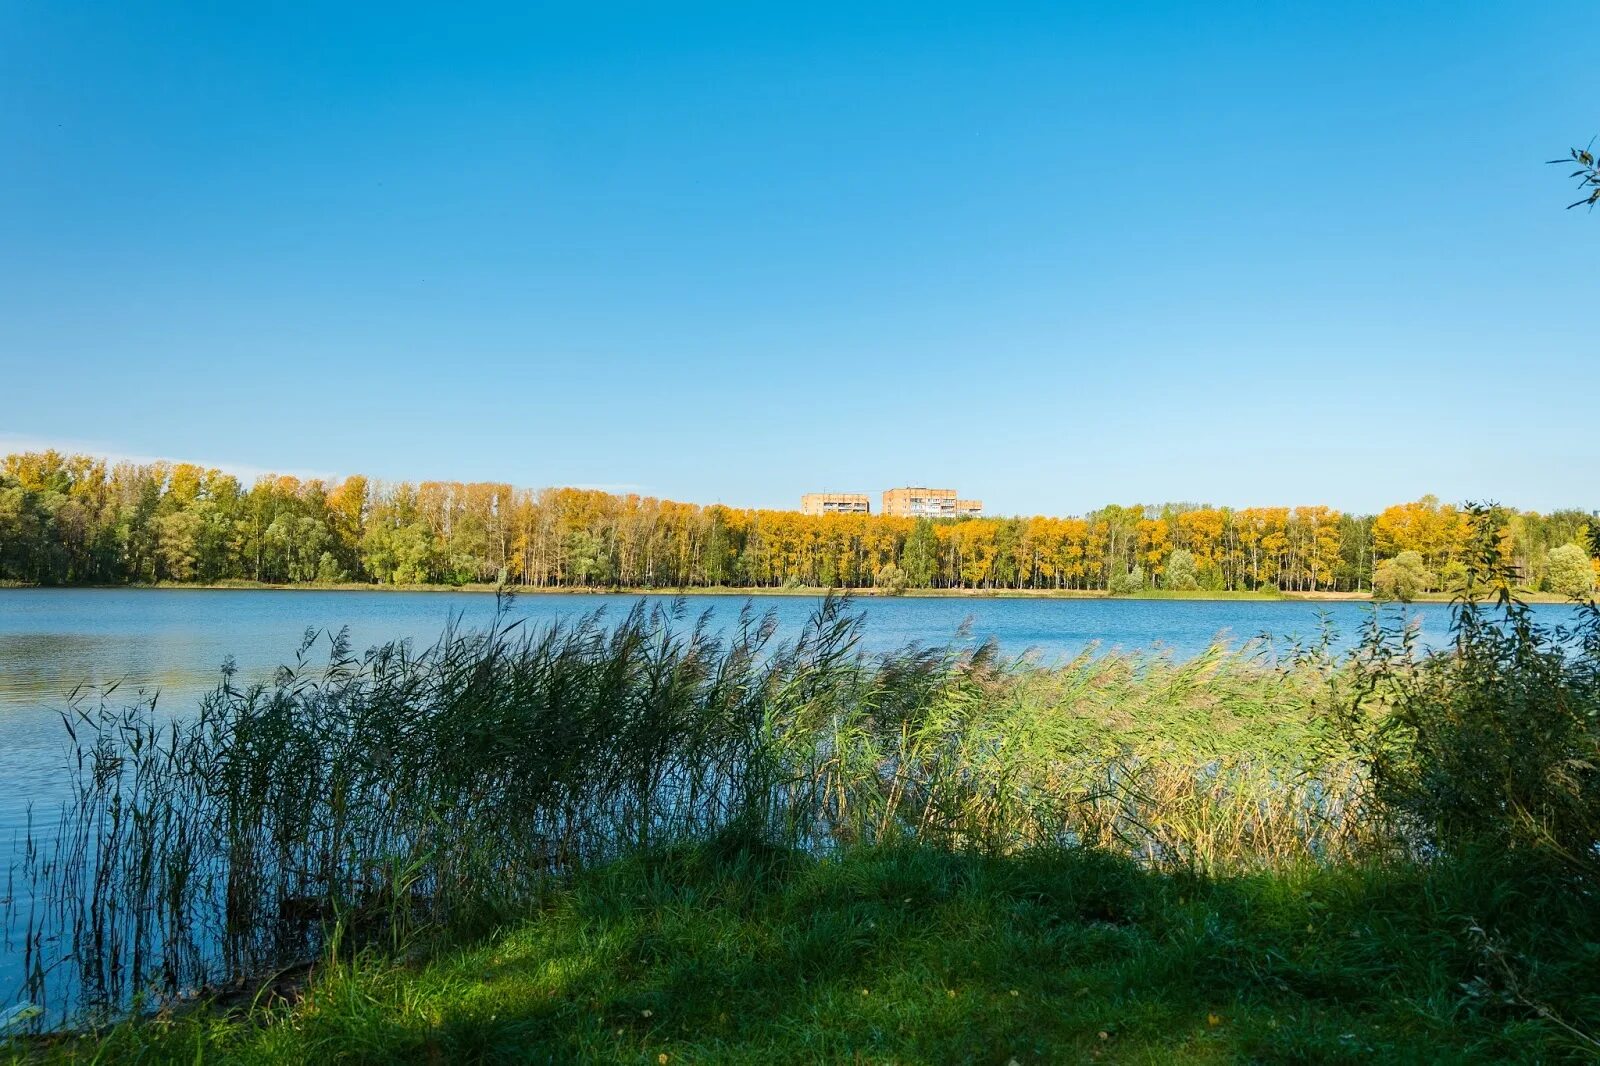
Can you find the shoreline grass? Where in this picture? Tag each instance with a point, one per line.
(803, 591)
(733, 952)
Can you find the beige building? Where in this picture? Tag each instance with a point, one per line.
(922, 502)
(835, 503)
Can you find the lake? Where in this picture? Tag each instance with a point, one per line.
(174, 642)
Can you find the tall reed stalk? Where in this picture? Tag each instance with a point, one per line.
(384, 795)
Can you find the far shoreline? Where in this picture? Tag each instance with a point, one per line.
(748, 592)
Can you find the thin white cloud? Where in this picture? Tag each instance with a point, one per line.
(245, 472)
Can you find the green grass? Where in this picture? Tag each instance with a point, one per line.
(729, 954)
(745, 591)
(1206, 594)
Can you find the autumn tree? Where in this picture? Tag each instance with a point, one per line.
(76, 519)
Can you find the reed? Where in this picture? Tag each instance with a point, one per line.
(393, 796)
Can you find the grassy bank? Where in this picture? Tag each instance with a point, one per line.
(730, 953)
(815, 592)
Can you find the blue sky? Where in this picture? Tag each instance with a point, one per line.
(1052, 255)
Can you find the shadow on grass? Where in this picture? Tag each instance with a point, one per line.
(736, 953)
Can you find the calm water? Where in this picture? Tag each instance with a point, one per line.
(173, 641)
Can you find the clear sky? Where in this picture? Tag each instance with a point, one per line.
(1052, 256)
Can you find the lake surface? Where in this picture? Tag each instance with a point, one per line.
(174, 641)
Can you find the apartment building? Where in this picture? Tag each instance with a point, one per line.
(917, 501)
(835, 503)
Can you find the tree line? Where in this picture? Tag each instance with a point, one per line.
(77, 519)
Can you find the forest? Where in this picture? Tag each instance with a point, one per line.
(77, 519)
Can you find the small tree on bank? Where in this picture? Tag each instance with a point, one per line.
(1126, 583)
(1568, 571)
(1402, 578)
(1181, 575)
(891, 579)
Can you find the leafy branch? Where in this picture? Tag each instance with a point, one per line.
(1588, 175)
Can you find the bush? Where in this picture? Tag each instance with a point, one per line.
(329, 572)
(1492, 744)
(1123, 584)
(1569, 572)
(1181, 575)
(891, 579)
(1402, 578)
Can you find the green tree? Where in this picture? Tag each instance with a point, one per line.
(329, 571)
(719, 562)
(178, 545)
(1181, 575)
(1004, 570)
(414, 553)
(584, 557)
(891, 579)
(1402, 578)
(920, 557)
(1453, 576)
(24, 536)
(399, 555)
(1127, 582)
(1568, 571)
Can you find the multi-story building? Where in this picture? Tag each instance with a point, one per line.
(835, 503)
(922, 502)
